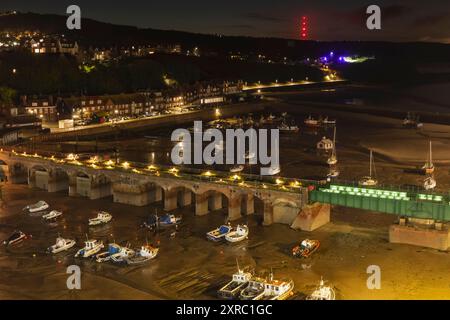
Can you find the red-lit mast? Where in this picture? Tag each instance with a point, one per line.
(304, 28)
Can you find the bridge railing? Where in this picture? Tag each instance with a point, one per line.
(241, 180)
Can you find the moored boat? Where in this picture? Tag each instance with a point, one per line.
(253, 290)
(36, 207)
(322, 292)
(169, 220)
(306, 248)
(113, 248)
(61, 245)
(428, 167)
(52, 215)
(327, 121)
(219, 234)
(122, 255)
(369, 180)
(91, 247)
(236, 169)
(273, 170)
(284, 128)
(429, 183)
(15, 238)
(271, 289)
(101, 218)
(144, 254)
(311, 122)
(233, 288)
(238, 235)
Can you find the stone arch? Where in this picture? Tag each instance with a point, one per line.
(18, 172)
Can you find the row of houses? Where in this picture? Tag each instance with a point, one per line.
(135, 104)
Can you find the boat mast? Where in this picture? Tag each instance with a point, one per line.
(334, 142)
(370, 164)
(431, 160)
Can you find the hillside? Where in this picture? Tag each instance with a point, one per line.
(95, 33)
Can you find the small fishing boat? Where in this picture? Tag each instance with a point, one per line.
(219, 233)
(36, 207)
(113, 248)
(169, 220)
(429, 183)
(274, 170)
(91, 247)
(236, 169)
(15, 238)
(232, 289)
(369, 180)
(322, 292)
(253, 290)
(102, 218)
(123, 254)
(428, 167)
(143, 255)
(61, 245)
(327, 121)
(271, 289)
(311, 122)
(306, 248)
(52, 215)
(238, 235)
(284, 128)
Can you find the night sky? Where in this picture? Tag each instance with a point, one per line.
(402, 20)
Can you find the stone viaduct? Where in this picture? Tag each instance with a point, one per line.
(140, 188)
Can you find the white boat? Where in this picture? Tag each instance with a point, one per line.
(311, 122)
(233, 288)
(273, 171)
(123, 254)
(236, 169)
(429, 183)
(369, 180)
(61, 245)
(219, 233)
(241, 233)
(52, 215)
(327, 121)
(36, 207)
(322, 292)
(144, 254)
(284, 128)
(262, 289)
(91, 247)
(428, 167)
(102, 218)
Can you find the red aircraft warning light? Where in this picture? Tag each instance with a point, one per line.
(304, 28)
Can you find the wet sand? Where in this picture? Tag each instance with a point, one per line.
(190, 267)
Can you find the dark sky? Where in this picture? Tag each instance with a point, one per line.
(402, 20)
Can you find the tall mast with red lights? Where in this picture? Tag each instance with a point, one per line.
(304, 28)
